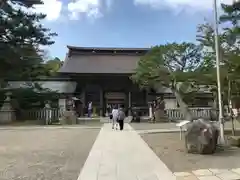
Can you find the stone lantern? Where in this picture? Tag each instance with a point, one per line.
(7, 114)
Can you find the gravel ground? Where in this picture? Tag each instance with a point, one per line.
(171, 151)
(33, 123)
(166, 125)
(147, 126)
(44, 154)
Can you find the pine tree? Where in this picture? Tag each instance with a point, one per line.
(232, 14)
(21, 35)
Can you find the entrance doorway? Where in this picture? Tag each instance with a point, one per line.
(115, 99)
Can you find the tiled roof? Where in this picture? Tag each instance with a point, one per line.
(98, 62)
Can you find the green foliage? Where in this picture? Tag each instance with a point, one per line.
(232, 14)
(169, 65)
(229, 58)
(21, 58)
(173, 66)
(21, 35)
(29, 98)
(52, 66)
(206, 38)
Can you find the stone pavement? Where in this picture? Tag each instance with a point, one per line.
(209, 174)
(149, 131)
(118, 155)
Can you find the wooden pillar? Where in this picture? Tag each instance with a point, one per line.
(83, 94)
(147, 99)
(101, 102)
(149, 113)
(129, 103)
(62, 104)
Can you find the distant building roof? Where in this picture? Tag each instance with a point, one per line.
(58, 77)
(107, 49)
(90, 60)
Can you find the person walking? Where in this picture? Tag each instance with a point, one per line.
(114, 117)
(90, 109)
(121, 117)
(109, 113)
(154, 108)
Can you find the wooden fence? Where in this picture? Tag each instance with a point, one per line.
(176, 114)
(44, 115)
(53, 114)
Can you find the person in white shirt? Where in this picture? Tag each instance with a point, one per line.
(114, 117)
(90, 109)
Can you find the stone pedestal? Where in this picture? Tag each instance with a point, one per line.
(7, 114)
(129, 104)
(48, 113)
(69, 117)
(160, 115)
(234, 141)
(150, 113)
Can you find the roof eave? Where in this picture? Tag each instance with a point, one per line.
(75, 48)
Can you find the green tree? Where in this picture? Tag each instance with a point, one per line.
(232, 14)
(172, 66)
(52, 66)
(21, 35)
(228, 50)
(229, 58)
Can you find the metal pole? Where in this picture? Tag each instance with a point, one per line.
(221, 121)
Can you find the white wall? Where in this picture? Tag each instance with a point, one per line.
(59, 86)
(170, 103)
(62, 103)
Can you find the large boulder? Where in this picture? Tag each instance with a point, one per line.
(201, 137)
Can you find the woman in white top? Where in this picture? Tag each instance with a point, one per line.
(114, 117)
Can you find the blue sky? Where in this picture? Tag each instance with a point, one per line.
(123, 23)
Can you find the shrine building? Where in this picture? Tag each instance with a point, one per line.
(102, 76)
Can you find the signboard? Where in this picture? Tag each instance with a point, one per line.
(115, 95)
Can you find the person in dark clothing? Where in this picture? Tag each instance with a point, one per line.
(154, 107)
(121, 117)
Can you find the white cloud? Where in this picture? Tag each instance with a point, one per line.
(75, 9)
(179, 5)
(52, 8)
(90, 8)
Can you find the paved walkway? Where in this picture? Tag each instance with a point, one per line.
(123, 155)
(118, 155)
(209, 174)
